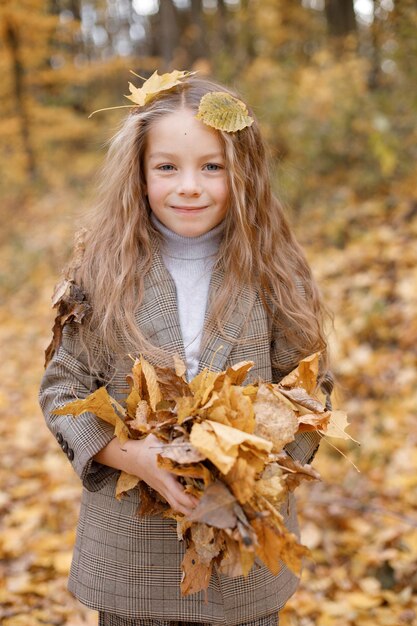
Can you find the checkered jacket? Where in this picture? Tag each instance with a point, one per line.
(130, 565)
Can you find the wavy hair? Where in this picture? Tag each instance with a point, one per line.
(258, 243)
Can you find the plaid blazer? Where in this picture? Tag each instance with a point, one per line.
(130, 565)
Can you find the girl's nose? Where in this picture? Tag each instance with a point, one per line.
(189, 185)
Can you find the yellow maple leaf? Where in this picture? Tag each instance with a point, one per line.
(154, 85)
(102, 405)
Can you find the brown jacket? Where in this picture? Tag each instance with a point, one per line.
(131, 565)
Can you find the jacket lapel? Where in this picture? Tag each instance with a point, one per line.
(157, 316)
(216, 347)
(159, 321)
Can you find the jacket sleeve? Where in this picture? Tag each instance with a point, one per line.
(284, 359)
(67, 378)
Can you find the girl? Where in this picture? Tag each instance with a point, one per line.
(187, 253)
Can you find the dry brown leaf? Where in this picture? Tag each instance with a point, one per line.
(274, 419)
(302, 399)
(207, 541)
(232, 407)
(179, 366)
(231, 563)
(241, 480)
(182, 451)
(313, 421)
(171, 385)
(220, 443)
(150, 502)
(216, 507)
(103, 406)
(294, 472)
(196, 576)
(238, 372)
(184, 408)
(304, 375)
(132, 402)
(72, 305)
(124, 483)
(202, 386)
(337, 425)
(152, 385)
(195, 470)
(271, 484)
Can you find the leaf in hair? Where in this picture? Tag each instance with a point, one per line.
(154, 85)
(223, 112)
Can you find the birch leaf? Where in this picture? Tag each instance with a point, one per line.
(223, 112)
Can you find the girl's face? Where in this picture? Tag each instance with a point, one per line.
(186, 180)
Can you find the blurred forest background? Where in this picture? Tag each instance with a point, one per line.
(334, 84)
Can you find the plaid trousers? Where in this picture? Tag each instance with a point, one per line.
(109, 619)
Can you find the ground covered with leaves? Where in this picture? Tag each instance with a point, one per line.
(360, 522)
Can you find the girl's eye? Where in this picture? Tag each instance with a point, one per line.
(213, 167)
(165, 168)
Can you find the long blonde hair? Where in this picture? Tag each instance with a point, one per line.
(258, 243)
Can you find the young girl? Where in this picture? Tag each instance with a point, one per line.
(188, 253)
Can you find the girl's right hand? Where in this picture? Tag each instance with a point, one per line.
(141, 461)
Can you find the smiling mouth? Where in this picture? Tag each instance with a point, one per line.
(188, 208)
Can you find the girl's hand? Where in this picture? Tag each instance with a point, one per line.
(141, 461)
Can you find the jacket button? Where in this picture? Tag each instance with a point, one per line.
(64, 446)
(59, 438)
(70, 454)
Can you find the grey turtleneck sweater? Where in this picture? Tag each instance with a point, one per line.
(190, 261)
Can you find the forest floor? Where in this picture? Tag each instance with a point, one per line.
(360, 521)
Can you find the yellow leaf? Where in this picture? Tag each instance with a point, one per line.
(220, 443)
(237, 372)
(337, 425)
(179, 365)
(102, 405)
(205, 440)
(274, 419)
(241, 480)
(132, 402)
(152, 385)
(196, 575)
(223, 112)
(304, 375)
(154, 85)
(124, 483)
(275, 546)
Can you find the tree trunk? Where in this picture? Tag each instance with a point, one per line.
(13, 43)
(168, 32)
(340, 16)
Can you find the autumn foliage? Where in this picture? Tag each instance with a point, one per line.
(226, 443)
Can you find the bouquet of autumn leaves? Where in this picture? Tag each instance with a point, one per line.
(226, 443)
